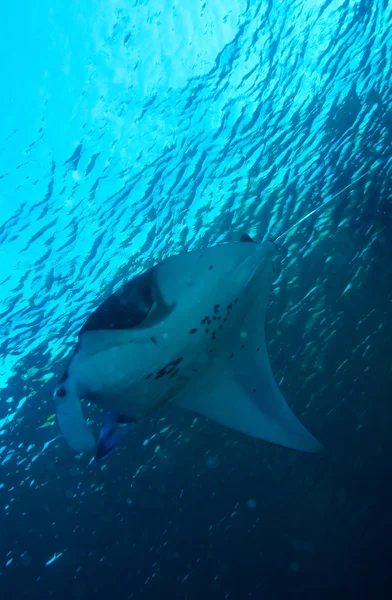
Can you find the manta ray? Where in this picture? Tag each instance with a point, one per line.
(187, 332)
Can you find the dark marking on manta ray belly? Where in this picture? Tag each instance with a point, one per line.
(193, 331)
(211, 267)
(163, 371)
(168, 369)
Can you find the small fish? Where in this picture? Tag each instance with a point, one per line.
(49, 422)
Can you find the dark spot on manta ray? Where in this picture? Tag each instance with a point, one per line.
(153, 340)
(168, 369)
(162, 371)
(219, 318)
(173, 374)
(257, 349)
(214, 318)
(231, 355)
(216, 308)
(148, 376)
(254, 390)
(229, 306)
(61, 392)
(159, 375)
(207, 330)
(225, 319)
(193, 331)
(236, 300)
(211, 267)
(219, 326)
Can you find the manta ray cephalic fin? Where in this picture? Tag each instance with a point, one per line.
(71, 421)
(114, 428)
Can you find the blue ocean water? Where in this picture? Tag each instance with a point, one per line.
(132, 131)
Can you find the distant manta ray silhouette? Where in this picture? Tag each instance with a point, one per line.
(187, 332)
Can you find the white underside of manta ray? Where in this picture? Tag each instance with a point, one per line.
(188, 332)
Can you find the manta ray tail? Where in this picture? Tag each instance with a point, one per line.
(327, 201)
(71, 421)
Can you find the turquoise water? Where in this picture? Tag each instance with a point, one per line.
(132, 131)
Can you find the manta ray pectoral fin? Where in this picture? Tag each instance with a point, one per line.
(265, 416)
(242, 393)
(71, 421)
(114, 429)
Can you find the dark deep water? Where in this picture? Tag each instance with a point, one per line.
(136, 130)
